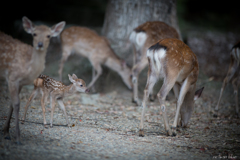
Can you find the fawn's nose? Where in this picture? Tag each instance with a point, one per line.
(87, 90)
(40, 44)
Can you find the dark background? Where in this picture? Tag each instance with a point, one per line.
(213, 15)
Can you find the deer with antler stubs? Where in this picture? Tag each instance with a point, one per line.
(173, 61)
(89, 44)
(57, 91)
(142, 38)
(232, 75)
(20, 63)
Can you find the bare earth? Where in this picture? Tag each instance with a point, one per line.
(105, 124)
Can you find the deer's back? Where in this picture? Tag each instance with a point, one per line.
(156, 30)
(86, 42)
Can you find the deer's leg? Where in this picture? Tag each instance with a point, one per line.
(66, 53)
(221, 92)
(235, 84)
(176, 90)
(43, 100)
(62, 106)
(93, 89)
(98, 68)
(32, 96)
(149, 86)
(136, 70)
(7, 123)
(231, 71)
(14, 90)
(52, 100)
(184, 89)
(166, 87)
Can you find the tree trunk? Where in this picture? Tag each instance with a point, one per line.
(122, 16)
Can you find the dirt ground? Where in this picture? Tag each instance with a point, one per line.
(105, 124)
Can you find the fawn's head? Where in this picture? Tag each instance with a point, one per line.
(42, 34)
(79, 84)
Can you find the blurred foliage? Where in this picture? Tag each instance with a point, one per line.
(205, 14)
(209, 15)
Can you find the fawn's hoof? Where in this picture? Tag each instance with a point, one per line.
(22, 122)
(174, 131)
(137, 102)
(141, 133)
(45, 126)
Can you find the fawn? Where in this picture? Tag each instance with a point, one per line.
(57, 91)
(20, 64)
(232, 75)
(89, 44)
(143, 37)
(172, 60)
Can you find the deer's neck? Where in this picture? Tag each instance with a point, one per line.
(114, 62)
(37, 62)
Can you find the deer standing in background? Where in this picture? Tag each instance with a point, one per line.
(89, 44)
(20, 64)
(57, 91)
(143, 37)
(232, 75)
(172, 60)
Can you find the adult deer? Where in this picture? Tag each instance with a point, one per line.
(173, 61)
(232, 75)
(57, 91)
(89, 44)
(143, 37)
(20, 63)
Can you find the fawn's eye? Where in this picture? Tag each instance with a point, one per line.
(34, 34)
(48, 36)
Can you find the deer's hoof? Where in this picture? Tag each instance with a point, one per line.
(174, 133)
(141, 133)
(18, 143)
(7, 137)
(215, 115)
(151, 98)
(45, 126)
(22, 122)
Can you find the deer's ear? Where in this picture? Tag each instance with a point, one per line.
(198, 93)
(71, 78)
(28, 25)
(57, 29)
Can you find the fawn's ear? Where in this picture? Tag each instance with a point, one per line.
(28, 25)
(57, 28)
(198, 93)
(74, 76)
(71, 78)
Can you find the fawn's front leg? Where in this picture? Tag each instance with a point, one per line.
(62, 106)
(52, 101)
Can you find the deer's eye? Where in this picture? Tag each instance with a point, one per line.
(48, 36)
(34, 34)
